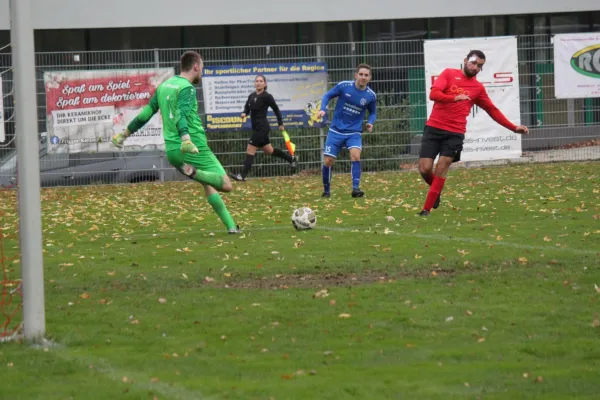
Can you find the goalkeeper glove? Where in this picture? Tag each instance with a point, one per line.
(187, 146)
(119, 138)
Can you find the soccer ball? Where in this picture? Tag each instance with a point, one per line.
(304, 218)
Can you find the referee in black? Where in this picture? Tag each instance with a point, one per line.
(257, 105)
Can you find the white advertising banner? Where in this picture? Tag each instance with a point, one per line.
(84, 109)
(577, 65)
(485, 139)
(2, 132)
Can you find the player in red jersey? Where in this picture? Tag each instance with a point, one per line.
(454, 92)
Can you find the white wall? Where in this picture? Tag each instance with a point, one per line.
(60, 14)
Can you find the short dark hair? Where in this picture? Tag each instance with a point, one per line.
(188, 59)
(365, 66)
(477, 53)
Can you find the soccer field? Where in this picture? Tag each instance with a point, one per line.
(491, 297)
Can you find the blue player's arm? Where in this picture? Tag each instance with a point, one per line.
(144, 116)
(372, 107)
(333, 93)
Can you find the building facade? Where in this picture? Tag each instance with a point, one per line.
(90, 25)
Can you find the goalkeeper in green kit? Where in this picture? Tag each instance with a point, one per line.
(185, 140)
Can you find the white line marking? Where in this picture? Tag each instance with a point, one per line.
(362, 230)
(140, 380)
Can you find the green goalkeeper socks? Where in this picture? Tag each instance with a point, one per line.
(217, 204)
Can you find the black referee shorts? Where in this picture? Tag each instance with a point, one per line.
(440, 142)
(260, 136)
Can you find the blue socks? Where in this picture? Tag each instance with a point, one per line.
(355, 174)
(327, 178)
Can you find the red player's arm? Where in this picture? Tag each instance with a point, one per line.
(484, 101)
(437, 90)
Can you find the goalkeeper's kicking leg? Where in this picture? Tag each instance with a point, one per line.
(206, 169)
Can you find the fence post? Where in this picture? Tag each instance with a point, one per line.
(321, 130)
(161, 172)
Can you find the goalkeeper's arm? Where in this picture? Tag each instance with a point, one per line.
(138, 122)
(144, 116)
(185, 106)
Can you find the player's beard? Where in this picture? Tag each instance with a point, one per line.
(197, 78)
(468, 73)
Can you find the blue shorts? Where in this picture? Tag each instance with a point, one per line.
(335, 142)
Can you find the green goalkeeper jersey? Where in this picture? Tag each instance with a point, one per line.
(176, 100)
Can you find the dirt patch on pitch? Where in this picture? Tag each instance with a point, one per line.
(325, 280)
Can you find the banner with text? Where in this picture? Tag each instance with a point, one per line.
(297, 89)
(84, 109)
(485, 139)
(2, 131)
(577, 65)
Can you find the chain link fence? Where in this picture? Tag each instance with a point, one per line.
(560, 129)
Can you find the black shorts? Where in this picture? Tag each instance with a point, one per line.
(440, 142)
(260, 137)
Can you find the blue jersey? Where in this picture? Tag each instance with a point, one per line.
(351, 107)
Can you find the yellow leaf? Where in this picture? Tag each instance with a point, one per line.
(344, 315)
(84, 295)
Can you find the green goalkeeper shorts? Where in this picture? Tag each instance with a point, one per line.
(205, 160)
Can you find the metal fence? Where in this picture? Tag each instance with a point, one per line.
(561, 129)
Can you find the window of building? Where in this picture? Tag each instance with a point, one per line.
(407, 29)
(204, 36)
(59, 40)
(469, 26)
(262, 34)
(4, 41)
(497, 26)
(595, 21)
(569, 23)
(439, 28)
(520, 25)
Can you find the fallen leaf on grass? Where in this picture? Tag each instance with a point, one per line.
(162, 300)
(344, 315)
(523, 260)
(321, 294)
(84, 295)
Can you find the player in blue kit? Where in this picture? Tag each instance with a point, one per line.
(354, 99)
